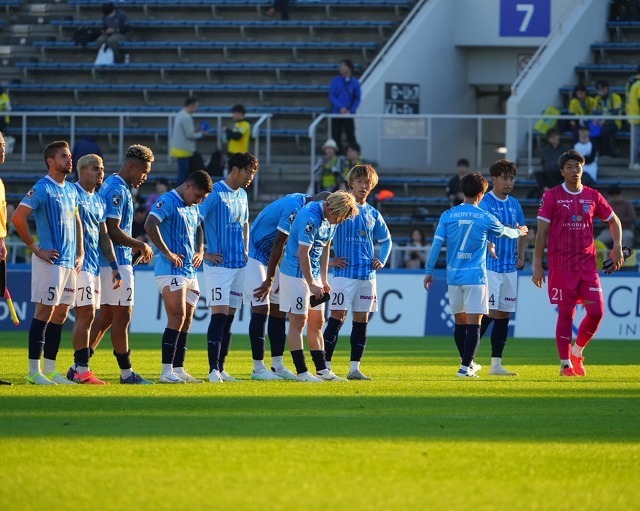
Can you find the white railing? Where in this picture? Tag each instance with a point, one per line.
(429, 129)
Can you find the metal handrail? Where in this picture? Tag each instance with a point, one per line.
(429, 118)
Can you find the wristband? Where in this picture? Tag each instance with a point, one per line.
(114, 265)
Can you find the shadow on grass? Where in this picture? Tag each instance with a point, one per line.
(507, 418)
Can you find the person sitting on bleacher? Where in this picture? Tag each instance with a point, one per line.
(454, 188)
(607, 103)
(328, 168)
(115, 28)
(581, 104)
(416, 259)
(549, 176)
(627, 215)
(351, 159)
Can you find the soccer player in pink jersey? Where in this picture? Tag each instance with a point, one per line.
(565, 227)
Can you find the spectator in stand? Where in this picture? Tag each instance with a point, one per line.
(633, 108)
(588, 149)
(416, 259)
(115, 28)
(328, 168)
(607, 103)
(352, 158)
(5, 106)
(281, 6)
(548, 176)
(344, 93)
(238, 135)
(581, 104)
(627, 215)
(184, 137)
(162, 187)
(454, 189)
(86, 145)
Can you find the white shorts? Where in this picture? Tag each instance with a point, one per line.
(224, 286)
(176, 282)
(353, 294)
(124, 294)
(254, 275)
(295, 295)
(51, 284)
(503, 291)
(87, 290)
(469, 299)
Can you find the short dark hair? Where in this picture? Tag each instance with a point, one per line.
(473, 184)
(502, 167)
(602, 83)
(355, 146)
(162, 181)
(139, 152)
(242, 160)
(200, 180)
(238, 108)
(571, 154)
(614, 190)
(52, 149)
(108, 8)
(579, 88)
(462, 161)
(190, 101)
(551, 132)
(348, 63)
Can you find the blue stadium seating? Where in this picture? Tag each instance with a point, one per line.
(304, 110)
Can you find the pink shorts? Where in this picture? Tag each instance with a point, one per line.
(569, 287)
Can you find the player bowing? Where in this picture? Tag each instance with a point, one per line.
(173, 227)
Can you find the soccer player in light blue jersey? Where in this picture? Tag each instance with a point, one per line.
(501, 272)
(92, 211)
(116, 305)
(355, 265)
(173, 225)
(303, 275)
(464, 228)
(57, 258)
(225, 214)
(267, 238)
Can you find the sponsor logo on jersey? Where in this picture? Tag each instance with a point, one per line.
(116, 200)
(309, 227)
(30, 193)
(160, 204)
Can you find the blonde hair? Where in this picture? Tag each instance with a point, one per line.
(88, 160)
(363, 171)
(343, 205)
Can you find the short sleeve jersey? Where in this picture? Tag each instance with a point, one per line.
(509, 212)
(54, 208)
(178, 224)
(464, 229)
(93, 212)
(224, 213)
(570, 242)
(277, 216)
(117, 196)
(312, 229)
(354, 240)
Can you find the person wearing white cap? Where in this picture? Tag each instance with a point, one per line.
(328, 168)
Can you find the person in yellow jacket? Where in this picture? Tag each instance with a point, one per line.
(5, 106)
(633, 108)
(238, 135)
(581, 105)
(3, 220)
(607, 103)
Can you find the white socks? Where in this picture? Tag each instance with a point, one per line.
(277, 363)
(354, 365)
(576, 350)
(49, 366)
(258, 366)
(34, 367)
(496, 362)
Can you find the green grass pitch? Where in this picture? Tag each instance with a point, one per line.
(415, 438)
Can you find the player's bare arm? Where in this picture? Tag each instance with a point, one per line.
(198, 256)
(120, 237)
(79, 244)
(274, 258)
(324, 268)
(616, 234)
(246, 240)
(104, 242)
(521, 250)
(541, 242)
(151, 226)
(20, 221)
(305, 268)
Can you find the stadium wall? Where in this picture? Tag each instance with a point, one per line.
(405, 309)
